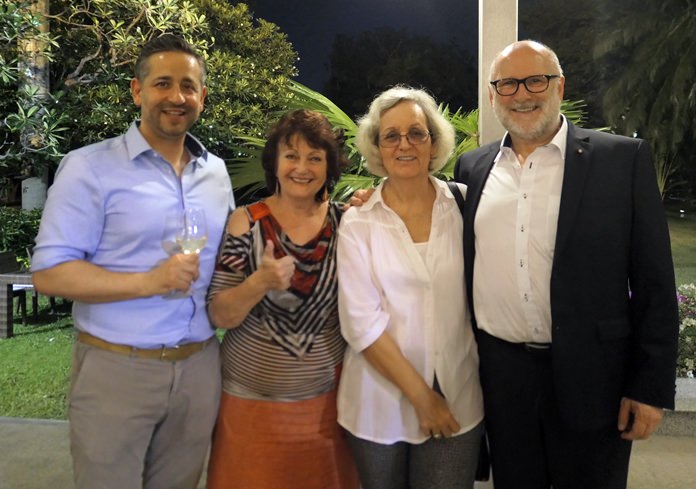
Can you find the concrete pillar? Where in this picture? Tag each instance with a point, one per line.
(497, 29)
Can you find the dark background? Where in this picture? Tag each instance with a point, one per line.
(619, 58)
(312, 25)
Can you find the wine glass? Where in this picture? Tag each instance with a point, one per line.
(193, 232)
(190, 235)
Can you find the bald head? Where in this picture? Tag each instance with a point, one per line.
(525, 50)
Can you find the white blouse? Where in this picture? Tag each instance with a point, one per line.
(385, 285)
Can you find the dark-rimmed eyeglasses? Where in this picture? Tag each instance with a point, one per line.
(533, 84)
(414, 136)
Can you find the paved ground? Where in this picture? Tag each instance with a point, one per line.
(662, 462)
(34, 454)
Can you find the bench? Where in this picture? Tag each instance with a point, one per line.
(14, 283)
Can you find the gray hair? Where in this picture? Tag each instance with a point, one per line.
(442, 132)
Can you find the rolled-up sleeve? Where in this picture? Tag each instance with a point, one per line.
(363, 319)
(73, 218)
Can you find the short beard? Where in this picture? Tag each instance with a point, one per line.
(543, 128)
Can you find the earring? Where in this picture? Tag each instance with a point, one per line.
(277, 189)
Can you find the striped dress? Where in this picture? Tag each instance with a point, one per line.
(277, 424)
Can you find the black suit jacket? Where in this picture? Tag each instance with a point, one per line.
(613, 299)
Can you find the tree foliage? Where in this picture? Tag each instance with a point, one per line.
(249, 64)
(31, 125)
(363, 66)
(633, 62)
(654, 97)
(18, 228)
(95, 43)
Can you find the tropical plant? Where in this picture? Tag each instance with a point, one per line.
(245, 168)
(356, 175)
(248, 176)
(30, 131)
(654, 96)
(665, 169)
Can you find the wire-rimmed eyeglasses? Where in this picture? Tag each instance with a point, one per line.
(534, 84)
(414, 136)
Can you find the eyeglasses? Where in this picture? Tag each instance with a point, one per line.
(413, 136)
(534, 84)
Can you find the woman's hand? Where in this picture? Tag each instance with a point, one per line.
(434, 416)
(275, 273)
(230, 306)
(360, 196)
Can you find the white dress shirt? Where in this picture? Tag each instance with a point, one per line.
(385, 285)
(515, 228)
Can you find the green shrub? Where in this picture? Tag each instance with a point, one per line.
(18, 228)
(686, 362)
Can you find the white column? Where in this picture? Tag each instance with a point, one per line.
(497, 29)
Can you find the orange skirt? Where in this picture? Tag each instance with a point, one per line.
(272, 445)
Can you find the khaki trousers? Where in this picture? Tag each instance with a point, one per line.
(139, 423)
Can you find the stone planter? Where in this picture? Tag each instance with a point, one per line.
(681, 421)
(33, 193)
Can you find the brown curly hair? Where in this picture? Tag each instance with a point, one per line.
(316, 129)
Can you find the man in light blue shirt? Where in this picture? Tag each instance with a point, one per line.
(145, 381)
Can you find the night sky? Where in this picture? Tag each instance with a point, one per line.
(311, 25)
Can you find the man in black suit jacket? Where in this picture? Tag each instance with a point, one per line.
(571, 284)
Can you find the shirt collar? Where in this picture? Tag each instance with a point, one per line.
(560, 140)
(137, 145)
(376, 196)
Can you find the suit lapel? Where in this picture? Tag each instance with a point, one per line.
(577, 165)
(476, 182)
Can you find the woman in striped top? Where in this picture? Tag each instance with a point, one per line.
(274, 289)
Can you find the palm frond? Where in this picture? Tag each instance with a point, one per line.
(245, 168)
(350, 182)
(574, 110)
(305, 98)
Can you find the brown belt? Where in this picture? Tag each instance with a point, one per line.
(173, 354)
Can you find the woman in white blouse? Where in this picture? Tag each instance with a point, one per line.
(409, 394)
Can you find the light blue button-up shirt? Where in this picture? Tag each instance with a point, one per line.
(116, 204)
